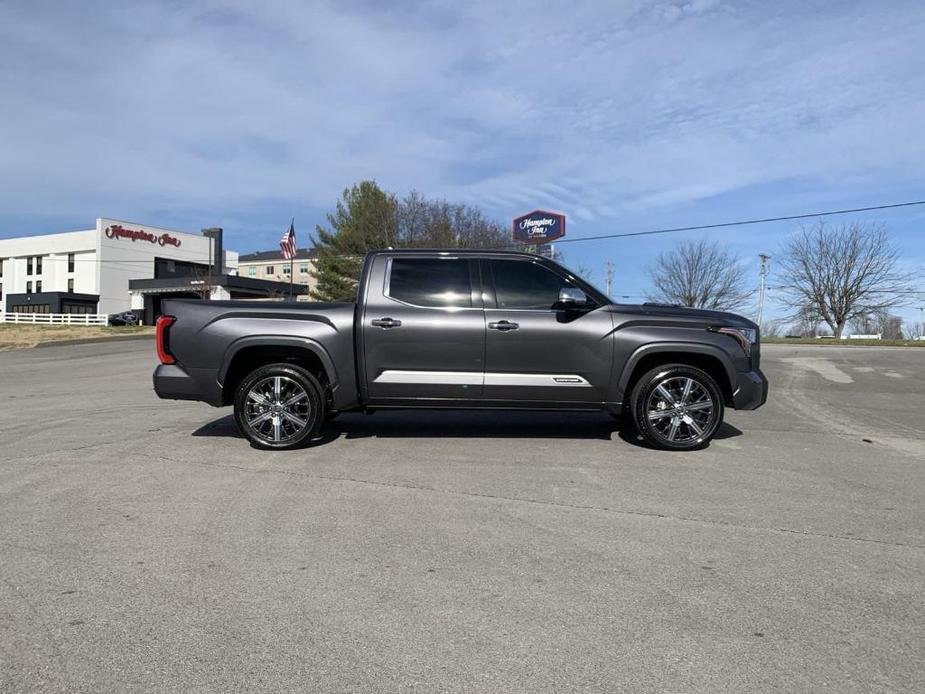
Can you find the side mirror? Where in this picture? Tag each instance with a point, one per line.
(572, 297)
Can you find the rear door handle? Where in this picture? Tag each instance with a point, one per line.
(387, 323)
(504, 325)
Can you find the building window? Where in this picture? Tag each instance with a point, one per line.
(38, 265)
(303, 268)
(287, 270)
(1, 293)
(28, 287)
(38, 286)
(1, 267)
(67, 307)
(31, 308)
(252, 271)
(70, 285)
(269, 269)
(29, 265)
(70, 262)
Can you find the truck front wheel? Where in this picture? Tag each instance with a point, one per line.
(279, 407)
(676, 407)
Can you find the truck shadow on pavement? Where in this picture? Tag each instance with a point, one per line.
(414, 424)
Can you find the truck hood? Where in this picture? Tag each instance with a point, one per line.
(706, 316)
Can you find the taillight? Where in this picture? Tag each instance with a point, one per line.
(163, 353)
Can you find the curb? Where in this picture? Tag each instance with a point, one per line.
(92, 340)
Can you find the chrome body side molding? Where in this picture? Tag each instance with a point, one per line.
(476, 378)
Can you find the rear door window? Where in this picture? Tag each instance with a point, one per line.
(431, 282)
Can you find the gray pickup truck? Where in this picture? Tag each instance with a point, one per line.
(460, 329)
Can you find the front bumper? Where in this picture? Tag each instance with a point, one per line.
(172, 382)
(751, 390)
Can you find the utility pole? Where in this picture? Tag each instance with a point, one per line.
(609, 277)
(764, 274)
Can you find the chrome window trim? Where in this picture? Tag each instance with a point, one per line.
(522, 310)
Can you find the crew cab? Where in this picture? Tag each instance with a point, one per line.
(460, 329)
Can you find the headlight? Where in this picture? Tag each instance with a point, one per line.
(746, 337)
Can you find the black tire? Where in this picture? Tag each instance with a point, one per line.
(688, 422)
(273, 424)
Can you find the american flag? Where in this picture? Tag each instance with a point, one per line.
(287, 243)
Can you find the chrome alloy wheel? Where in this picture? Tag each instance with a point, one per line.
(277, 409)
(680, 409)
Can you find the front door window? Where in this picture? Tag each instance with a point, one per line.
(525, 285)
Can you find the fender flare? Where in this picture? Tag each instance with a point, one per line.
(656, 347)
(302, 343)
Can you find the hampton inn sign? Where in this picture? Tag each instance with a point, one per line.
(117, 231)
(539, 226)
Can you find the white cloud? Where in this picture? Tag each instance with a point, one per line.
(592, 107)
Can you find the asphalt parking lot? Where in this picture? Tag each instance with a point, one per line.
(144, 546)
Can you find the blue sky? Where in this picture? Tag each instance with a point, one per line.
(623, 115)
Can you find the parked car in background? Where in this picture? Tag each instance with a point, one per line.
(461, 329)
(124, 318)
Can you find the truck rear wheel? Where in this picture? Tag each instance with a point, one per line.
(676, 407)
(279, 407)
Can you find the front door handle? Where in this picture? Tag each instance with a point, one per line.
(386, 323)
(504, 325)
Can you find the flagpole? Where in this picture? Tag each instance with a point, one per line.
(292, 262)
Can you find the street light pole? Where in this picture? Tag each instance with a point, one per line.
(764, 274)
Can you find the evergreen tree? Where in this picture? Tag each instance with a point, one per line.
(364, 221)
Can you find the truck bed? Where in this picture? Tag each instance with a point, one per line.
(208, 335)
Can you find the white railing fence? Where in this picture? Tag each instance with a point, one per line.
(55, 318)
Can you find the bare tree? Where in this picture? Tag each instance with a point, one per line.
(866, 324)
(807, 323)
(422, 222)
(772, 328)
(699, 274)
(914, 331)
(842, 273)
(890, 327)
(201, 282)
(580, 269)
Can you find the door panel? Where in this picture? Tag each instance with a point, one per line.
(433, 348)
(551, 355)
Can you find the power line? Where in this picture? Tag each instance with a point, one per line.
(871, 291)
(650, 232)
(743, 222)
